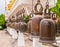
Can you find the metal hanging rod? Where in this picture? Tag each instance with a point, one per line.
(32, 5)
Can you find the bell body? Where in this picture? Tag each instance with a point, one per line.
(23, 26)
(29, 26)
(47, 30)
(35, 25)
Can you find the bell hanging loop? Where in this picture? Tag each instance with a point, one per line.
(38, 8)
(47, 12)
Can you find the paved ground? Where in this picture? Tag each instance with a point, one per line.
(4, 39)
(7, 41)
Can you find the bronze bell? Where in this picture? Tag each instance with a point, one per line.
(29, 26)
(47, 31)
(38, 8)
(35, 25)
(54, 17)
(23, 26)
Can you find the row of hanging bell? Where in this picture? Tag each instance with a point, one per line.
(48, 34)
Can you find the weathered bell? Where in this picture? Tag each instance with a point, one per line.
(47, 31)
(35, 25)
(54, 17)
(17, 26)
(23, 26)
(29, 26)
(38, 8)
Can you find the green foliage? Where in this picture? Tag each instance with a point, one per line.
(57, 8)
(58, 1)
(2, 21)
(26, 18)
